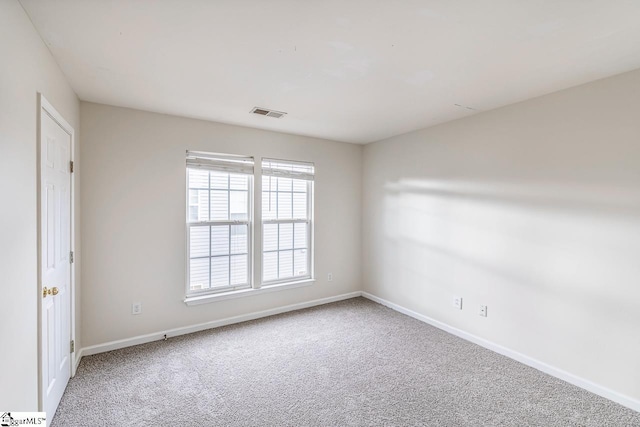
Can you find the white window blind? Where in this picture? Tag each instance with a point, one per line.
(288, 169)
(218, 222)
(287, 188)
(220, 162)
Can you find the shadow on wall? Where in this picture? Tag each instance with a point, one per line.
(566, 251)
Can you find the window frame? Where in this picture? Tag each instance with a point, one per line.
(310, 229)
(254, 223)
(249, 222)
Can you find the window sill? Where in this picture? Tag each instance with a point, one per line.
(204, 299)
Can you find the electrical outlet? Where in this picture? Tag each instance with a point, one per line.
(483, 311)
(330, 277)
(457, 302)
(136, 308)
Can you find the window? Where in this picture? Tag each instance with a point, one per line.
(287, 208)
(219, 215)
(219, 225)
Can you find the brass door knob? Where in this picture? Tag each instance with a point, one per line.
(54, 290)
(44, 292)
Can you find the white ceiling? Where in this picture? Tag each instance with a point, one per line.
(349, 70)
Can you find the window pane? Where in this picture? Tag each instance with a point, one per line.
(239, 182)
(301, 235)
(285, 199)
(193, 213)
(300, 205)
(270, 266)
(286, 236)
(198, 205)
(219, 205)
(198, 242)
(218, 254)
(284, 184)
(239, 239)
(199, 273)
(239, 270)
(270, 237)
(198, 178)
(239, 205)
(284, 206)
(193, 197)
(219, 180)
(300, 185)
(269, 183)
(268, 205)
(220, 240)
(285, 264)
(300, 262)
(220, 271)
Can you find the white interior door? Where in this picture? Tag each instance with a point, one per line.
(55, 145)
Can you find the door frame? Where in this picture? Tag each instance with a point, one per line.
(45, 107)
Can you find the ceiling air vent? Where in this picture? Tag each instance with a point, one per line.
(268, 113)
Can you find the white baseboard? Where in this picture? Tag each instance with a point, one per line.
(142, 339)
(607, 393)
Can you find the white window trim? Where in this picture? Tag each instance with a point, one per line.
(189, 294)
(310, 252)
(221, 296)
(256, 285)
(309, 221)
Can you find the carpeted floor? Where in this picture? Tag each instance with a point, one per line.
(351, 363)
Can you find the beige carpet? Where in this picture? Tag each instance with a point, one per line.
(351, 363)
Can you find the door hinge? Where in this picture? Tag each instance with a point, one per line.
(71, 166)
(73, 346)
(71, 257)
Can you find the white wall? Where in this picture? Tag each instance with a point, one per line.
(133, 231)
(26, 68)
(533, 210)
